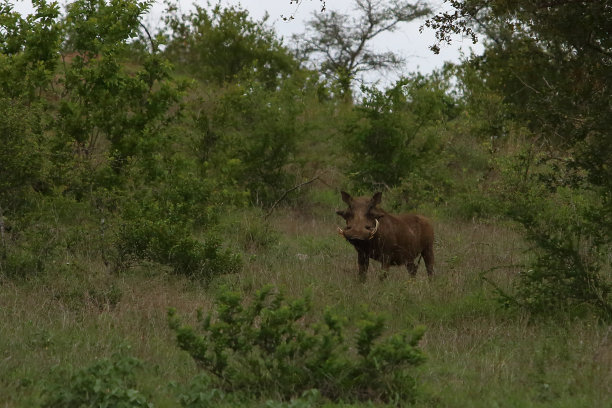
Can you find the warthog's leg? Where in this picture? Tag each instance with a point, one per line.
(385, 271)
(428, 257)
(412, 268)
(364, 260)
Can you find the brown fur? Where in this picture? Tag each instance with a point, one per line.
(399, 239)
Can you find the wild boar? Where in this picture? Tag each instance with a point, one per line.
(388, 238)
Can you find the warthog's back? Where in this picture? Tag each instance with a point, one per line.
(421, 228)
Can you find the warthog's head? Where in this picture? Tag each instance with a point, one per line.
(361, 217)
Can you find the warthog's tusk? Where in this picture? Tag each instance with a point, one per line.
(340, 231)
(374, 230)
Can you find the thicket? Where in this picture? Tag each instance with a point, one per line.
(393, 137)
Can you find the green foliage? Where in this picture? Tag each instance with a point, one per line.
(97, 26)
(65, 145)
(158, 225)
(394, 133)
(570, 272)
(220, 44)
(544, 69)
(171, 244)
(23, 155)
(44, 237)
(268, 348)
(201, 393)
(28, 49)
(249, 136)
(103, 100)
(107, 383)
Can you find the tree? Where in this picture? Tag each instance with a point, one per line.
(393, 135)
(217, 44)
(342, 42)
(551, 63)
(102, 99)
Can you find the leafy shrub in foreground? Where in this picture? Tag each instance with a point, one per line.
(107, 383)
(268, 348)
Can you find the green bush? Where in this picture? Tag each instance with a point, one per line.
(251, 142)
(218, 44)
(395, 133)
(160, 219)
(29, 48)
(269, 348)
(570, 270)
(201, 393)
(44, 234)
(31, 253)
(107, 383)
(23, 154)
(106, 101)
(172, 243)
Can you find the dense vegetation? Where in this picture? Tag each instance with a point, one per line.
(155, 251)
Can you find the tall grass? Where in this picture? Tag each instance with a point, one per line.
(478, 353)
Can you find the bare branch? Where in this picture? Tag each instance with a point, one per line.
(287, 192)
(340, 42)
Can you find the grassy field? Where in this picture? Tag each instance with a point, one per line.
(478, 353)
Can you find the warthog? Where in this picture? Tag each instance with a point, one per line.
(388, 238)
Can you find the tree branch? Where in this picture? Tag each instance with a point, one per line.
(287, 192)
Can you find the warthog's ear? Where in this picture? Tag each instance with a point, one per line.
(346, 197)
(376, 198)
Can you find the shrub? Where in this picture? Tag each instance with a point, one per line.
(171, 243)
(570, 272)
(107, 383)
(250, 136)
(200, 393)
(159, 223)
(218, 44)
(268, 348)
(395, 133)
(41, 235)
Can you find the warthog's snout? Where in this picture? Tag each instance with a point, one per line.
(359, 235)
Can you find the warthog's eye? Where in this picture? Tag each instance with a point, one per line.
(348, 227)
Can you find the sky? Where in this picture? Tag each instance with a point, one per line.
(407, 41)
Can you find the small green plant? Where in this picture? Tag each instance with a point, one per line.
(200, 393)
(270, 348)
(107, 383)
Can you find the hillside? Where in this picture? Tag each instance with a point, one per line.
(168, 226)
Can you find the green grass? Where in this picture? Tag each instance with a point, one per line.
(478, 354)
